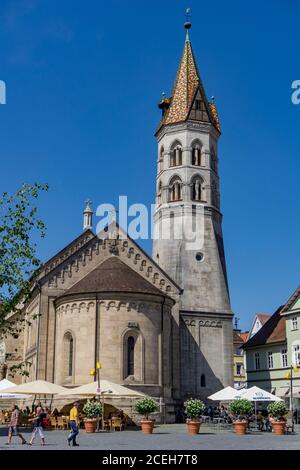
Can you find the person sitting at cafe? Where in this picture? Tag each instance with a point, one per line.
(260, 420)
(55, 413)
(122, 417)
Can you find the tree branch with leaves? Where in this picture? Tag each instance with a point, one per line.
(19, 263)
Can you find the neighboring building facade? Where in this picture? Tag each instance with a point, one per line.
(259, 320)
(239, 367)
(291, 313)
(273, 350)
(160, 325)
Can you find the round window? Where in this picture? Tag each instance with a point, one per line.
(199, 256)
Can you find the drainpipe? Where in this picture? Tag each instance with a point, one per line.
(97, 334)
(161, 360)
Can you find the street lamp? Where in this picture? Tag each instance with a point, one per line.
(96, 374)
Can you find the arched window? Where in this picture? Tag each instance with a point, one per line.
(130, 355)
(159, 190)
(176, 155)
(71, 346)
(203, 380)
(68, 356)
(161, 159)
(175, 190)
(196, 154)
(198, 192)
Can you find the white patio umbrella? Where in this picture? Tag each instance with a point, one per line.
(227, 394)
(106, 388)
(257, 394)
(37, 387)
(4, 385)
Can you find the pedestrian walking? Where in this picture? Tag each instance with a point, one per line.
(74, 424)
(13, 426)
(38, 425)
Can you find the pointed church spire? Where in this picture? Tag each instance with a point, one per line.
(88, 215)
(188, 93)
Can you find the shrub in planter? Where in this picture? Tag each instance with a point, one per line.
(91, 409)
(145, 407)
(193, 409)
(240, 409)
(278, 410)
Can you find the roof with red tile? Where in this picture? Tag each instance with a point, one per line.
(244, 336)
(273, 331)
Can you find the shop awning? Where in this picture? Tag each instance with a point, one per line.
(282, 391)
(296, 392)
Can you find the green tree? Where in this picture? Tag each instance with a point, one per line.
(19, 225)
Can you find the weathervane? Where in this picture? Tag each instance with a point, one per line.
(187, 14)
(187, 23)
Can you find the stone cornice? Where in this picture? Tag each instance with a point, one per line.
(225, 315)
(89, 298)
(187, 126)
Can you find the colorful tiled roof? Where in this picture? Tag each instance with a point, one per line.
(215, 115)
(186, 85)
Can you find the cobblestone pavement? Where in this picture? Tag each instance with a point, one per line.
(165, 437)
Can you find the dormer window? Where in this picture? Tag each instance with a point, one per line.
(197, 105)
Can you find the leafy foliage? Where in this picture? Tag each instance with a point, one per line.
(18, 260)
(19, 225)
(92, 409)
(241, 408)
(194, 408)
(145, 406)
(278, 410)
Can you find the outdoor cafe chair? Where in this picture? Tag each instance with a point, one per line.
(117, 423)
(61, 422)
(53, 422)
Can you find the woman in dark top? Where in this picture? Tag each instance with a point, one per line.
(38, 425)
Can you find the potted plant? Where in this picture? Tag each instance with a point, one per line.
(193, 409)
(92, 410)
(240, 410)
(144, 407)
(278, 410)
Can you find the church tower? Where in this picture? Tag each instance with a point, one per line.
(188, 203)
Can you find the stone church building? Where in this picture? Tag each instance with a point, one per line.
(162, 324)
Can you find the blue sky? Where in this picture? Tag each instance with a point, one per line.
(83, 81)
